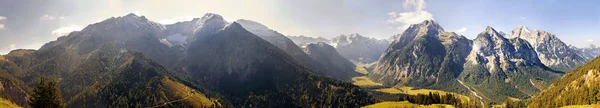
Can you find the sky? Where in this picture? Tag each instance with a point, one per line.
(28, 24)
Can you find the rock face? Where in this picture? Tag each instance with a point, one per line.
(492, 65)
(360, 49)
(500, 67)
(550, 49)
(423, 56)
(253, 72)
(327, 55)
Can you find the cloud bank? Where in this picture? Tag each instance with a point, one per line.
(66, 30)
(415, 13)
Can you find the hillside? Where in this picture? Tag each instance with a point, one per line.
(580, 86)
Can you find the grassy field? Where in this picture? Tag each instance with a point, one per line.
(8, 104)
(411, 91)
(582, 106)
(405, 104)
(364, 81)
(180, 91)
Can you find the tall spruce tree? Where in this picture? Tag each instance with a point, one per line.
(46, 95)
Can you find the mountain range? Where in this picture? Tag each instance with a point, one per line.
(491, 65)
(354, 47)
(130, 61)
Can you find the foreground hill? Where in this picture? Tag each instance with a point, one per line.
(250, 71)
(580, 86)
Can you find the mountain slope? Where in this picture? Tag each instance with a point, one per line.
(99, 67)
(423, 56)
(550, 49)
(581, 86)
(250, 71)
(327, 55)
(288, 46)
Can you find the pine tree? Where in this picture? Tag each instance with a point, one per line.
(46, 95)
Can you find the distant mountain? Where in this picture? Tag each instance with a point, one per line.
(580, 86)
(498, 67)
(305, 40)
(550, 49)
(589, 53)
(250, 71)
(359, 49)
(354, 47)
(327, 55)
(288, 46)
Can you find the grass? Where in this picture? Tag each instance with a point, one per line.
(406, 104)
(8, 104)
(360, 67)
(364, 81)
(411, 91)
(582, 106)
(180, 91)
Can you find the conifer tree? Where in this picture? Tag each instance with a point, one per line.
(46, 95)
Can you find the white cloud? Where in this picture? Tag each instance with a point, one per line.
(177, 19)
(47, 17)
(12, 47)
(1, 24)
(590, 41)
(461, 30)
(66, 30)
(416, 14)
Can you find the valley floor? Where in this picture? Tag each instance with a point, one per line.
(406, 104)
(391, 92)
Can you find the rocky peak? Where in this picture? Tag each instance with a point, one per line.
(490, 37)
(520, 31)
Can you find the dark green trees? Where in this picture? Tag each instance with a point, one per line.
(46, 95)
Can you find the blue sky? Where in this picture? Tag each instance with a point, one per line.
(31, 23)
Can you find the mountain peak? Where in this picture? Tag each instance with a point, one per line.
(520, 31)
(491, 31)
(429, 25)
(252, 24)
(233, 26)
(211, 16)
